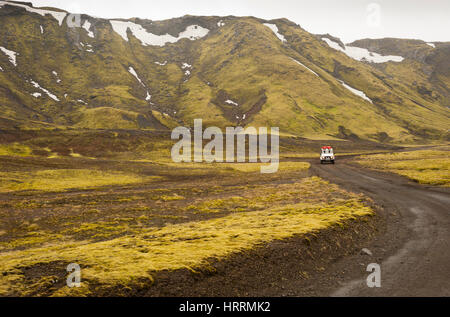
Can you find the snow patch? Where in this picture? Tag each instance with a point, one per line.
(186, 66)
(59, 16)
(42, 29)
(87, 27)
(133, 72)
(11, 55)
(192, 32)
(161, 64)
(82, 101)
(356, 91)
(90, 50)
(431, 44)
(231, 102)
(274, 29)
(1, 68)
(305, 67)
(36, 85)
(36, 94)
(361, 54)
(220, 23)
(58, 80)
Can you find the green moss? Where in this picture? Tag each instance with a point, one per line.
(15, 149)
(62, 179)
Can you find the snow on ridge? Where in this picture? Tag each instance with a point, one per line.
(192, 32)
(11, 55)
(36, 85)
(356, 91)
(148, 96)
(360, 54)
(231, 102)
(305, 67)
(333, 44)
(59, 16)
(274, 29)
(431, 44)
(87, 26)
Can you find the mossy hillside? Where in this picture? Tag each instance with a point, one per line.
(242, 60)
(403, 106)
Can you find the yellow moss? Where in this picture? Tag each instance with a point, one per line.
(187, 245)
(15, 149)
(243, 167)
(426, 166)
(62, 179)
(259, 214)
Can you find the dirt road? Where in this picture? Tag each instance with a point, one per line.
(413, 250)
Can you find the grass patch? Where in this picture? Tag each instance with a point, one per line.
(243, 167)
(15, 149)
(425, 167)
(62, 179)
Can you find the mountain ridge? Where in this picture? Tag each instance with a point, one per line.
(241, 71)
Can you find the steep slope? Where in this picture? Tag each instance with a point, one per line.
(142, 74)
(426, 70)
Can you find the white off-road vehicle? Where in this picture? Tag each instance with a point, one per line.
(327, 155)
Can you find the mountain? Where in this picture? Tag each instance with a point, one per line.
(229, 71)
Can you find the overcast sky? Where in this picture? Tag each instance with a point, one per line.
(349, 20)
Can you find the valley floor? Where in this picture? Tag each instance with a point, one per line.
(149, 227)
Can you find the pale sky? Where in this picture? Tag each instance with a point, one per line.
(428, 20)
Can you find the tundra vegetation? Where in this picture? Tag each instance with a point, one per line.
(114, 203)
(430, 167)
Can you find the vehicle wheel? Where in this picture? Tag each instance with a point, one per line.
(321, 162)
(332, 162)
